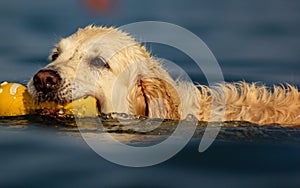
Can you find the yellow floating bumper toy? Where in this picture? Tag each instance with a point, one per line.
(16, 101)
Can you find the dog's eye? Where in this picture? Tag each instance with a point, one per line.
(98, 62)
(55, 53)
(54, 56)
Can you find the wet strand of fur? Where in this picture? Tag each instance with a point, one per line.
(251, 102)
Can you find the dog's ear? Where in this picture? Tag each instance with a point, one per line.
(155, 98)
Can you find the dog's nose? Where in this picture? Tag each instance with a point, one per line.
(46, 81)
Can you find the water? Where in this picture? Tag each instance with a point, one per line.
(38, 152)
(253, 40)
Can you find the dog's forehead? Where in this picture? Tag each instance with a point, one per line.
(96, 35)
(65, 43)
(100, 41)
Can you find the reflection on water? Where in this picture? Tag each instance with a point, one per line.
(36, 150)
(156, 129)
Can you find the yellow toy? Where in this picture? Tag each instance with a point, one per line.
(16, 101)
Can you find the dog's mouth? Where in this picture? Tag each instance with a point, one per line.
(47, 85)
(64, 94)
(58, 96)
(52, 97)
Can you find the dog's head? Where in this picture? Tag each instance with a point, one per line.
(91, 61)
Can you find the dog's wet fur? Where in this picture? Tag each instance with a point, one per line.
(111, 66)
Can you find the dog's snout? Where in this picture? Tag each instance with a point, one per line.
(46, 81)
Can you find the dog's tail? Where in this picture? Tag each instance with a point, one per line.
(253, 102)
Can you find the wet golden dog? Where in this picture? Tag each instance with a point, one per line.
(111, 66)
